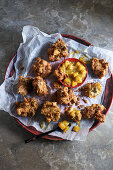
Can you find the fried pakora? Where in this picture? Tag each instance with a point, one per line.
(40, 86)
(41, 67)
(99, 67)
(24, 85)
(51, 111)
(94, 111)
(56, 85)
(91, 89)
(74, 114)
(27, 108)
(57, 50)
(59, 74)
(66, 96)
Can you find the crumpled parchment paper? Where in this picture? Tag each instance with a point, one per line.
(35, 44)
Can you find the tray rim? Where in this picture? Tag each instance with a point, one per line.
(33, 130)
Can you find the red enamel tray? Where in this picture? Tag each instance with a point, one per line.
(106, 102)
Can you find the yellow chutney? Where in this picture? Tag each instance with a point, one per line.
(75, 72)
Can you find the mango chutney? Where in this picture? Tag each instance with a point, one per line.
(75, 72)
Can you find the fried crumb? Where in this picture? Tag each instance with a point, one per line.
(78, 98)
(85, 101)
(80, 106)
(41, 125)
(77, 103)
(70, 104)
(57, 50)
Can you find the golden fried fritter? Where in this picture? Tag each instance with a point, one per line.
(56, 85)
(60, 75)
(24, 85)
(41, 67)
(99, 67)
(74, 114)
(39, 86)
(94, 111)
(91, 89)
(51, 111)
(27, 108)
(57, 50)
(66, 96)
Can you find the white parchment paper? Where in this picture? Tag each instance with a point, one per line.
(35, 44)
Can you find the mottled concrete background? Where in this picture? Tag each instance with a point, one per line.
(88, 19)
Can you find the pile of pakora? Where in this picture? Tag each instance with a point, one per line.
(71, 73)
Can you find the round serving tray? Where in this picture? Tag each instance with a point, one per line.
(106, 102)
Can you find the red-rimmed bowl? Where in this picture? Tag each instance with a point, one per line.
(106, 101)
(74, 60)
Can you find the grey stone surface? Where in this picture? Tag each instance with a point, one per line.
(91, 20)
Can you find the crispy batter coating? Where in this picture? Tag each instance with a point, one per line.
(99, 67)
(41, 67)
(57, 50)
(100, 117)
(51, 111)
(24, 85)
(95, 110)
(66, 96)
(60, 75)
(40, 86)
(27, 108)
(74, 114)
(56, 85)
(91, 89)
